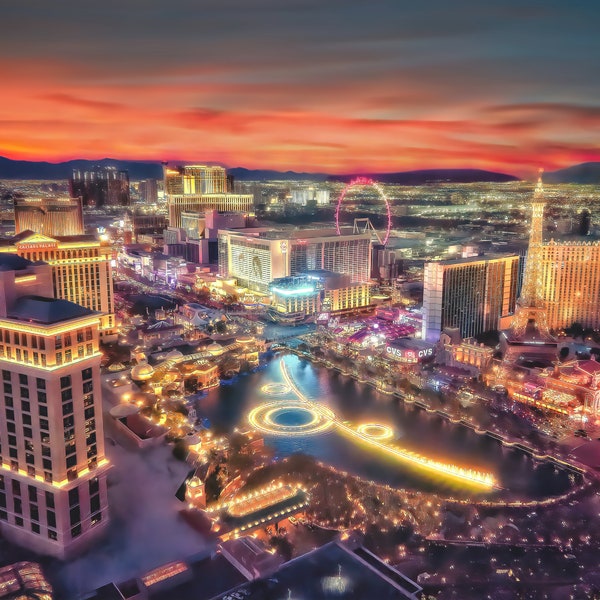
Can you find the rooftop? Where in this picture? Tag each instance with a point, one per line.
(13, 262)
(38, 309)
(471, 259)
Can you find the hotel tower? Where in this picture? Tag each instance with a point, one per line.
(53, 497)
(198, 188)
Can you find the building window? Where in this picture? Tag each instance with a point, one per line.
(52, 535)
(86, 373)
(6, 375)
(75, 515)
(51, 518)
(49, 499)
(65, 381)
(41, 383)
(95, 504)
(75, 531)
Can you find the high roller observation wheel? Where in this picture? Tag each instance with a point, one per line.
(364, 181)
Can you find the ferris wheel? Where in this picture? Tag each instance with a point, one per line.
(366, 182)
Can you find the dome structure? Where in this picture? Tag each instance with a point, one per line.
(215, 349)
(142, 372)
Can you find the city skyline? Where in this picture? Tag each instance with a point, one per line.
(338, 87)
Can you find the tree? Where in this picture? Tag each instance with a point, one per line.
(221, 327)
(564, 352)
(576, 330)
(180, 450)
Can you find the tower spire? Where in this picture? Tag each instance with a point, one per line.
(530, 311)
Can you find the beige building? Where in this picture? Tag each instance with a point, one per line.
(198, 188)
(81, 270)
(53, 497)
(50, 216)
(570, 273)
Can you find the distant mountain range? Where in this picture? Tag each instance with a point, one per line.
(585, 173)
(21, 169)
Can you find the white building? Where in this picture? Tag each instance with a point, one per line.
(256, 256)
(303, 196)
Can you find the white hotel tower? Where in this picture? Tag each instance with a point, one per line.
(53, 497)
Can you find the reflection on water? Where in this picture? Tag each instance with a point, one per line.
(227, 407)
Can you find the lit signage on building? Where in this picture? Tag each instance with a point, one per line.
(409, 354)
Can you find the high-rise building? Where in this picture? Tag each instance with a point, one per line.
(53, 496)
(81, 269)
(103, 186)
(570, 283)
(52, 216)
(256, 256)
(472, 294)
(148, 190)
(198, 188)
(562, 278)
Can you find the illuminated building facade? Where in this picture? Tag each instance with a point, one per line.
(529, 333)
(198, 188)
(304, 196)
(257, 256)
(53, 497)
(472, 294)
(52, 216)
(103, 186)
(81, 270)
(570, 283)
(318, 291)
(561, 283)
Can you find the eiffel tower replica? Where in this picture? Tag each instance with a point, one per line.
(529, 332)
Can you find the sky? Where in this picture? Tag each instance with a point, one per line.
(338, 86)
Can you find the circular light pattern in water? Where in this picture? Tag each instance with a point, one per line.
(290, 418)
(275, 389)
(376, 431)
